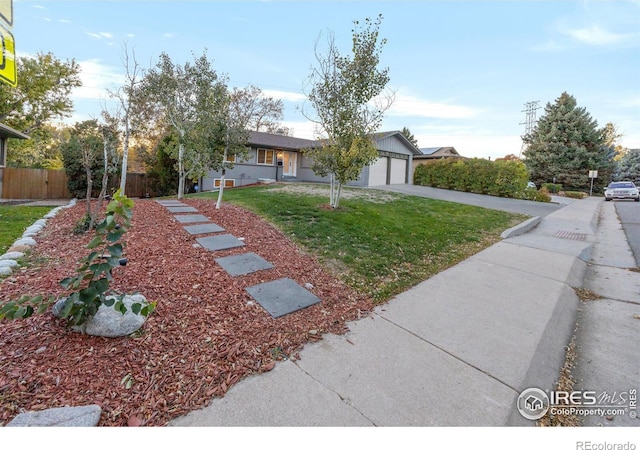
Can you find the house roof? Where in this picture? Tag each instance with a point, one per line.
(271, 140)
(437, 152)
(261, 139)
(8, 132)
(385, 134)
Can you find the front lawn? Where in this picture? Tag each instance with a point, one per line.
(14, 220)
(381, 243)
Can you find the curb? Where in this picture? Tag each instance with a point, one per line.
(521, 228)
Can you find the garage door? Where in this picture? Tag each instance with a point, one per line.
(398, 170)
(378, 172)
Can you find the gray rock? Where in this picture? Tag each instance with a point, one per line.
(51, 214)
(12, 255)
(5, 271)
(68, 416)
(8, 263)
(18, 248)
(108, 322)
(34, 229)
(25, 241)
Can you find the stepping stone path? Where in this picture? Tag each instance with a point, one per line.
(278, 297)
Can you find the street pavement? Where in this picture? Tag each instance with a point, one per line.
(459, 348)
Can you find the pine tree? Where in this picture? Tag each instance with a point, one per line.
(565, 145)
(630, 165)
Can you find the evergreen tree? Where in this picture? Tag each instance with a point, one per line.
(409, 135)
(565, 145)
(630, 165)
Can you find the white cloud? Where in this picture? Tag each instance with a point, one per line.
(301, 129)
(100, 35)
(284, 95)
(96, 79)
(167, 35)
(410, 106)
(595, 35)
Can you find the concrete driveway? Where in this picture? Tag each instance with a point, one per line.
(527, 207)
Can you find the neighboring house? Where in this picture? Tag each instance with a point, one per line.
(274, 157)
(6, 132)
(431, 153)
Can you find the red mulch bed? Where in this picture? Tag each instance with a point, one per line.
(205, 335)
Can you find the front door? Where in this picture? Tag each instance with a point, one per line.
(289, 160)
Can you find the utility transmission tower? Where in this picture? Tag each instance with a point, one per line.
(530, 120)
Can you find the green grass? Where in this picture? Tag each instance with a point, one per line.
(14, 220)
(380, 243)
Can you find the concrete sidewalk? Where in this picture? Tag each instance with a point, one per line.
(608, 331)
(455, 350)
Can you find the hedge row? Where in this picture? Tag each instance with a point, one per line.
(501, 178)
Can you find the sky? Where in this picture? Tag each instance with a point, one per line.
(461, 71)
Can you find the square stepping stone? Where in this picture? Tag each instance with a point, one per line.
(203, 228)
(243, 264)
(171, 203)
(282, 296)
(181, 209)
(191, 218)
(220, 242)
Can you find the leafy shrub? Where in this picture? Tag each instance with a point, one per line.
(91, 284)
(552, 187)
(574, 194)
(500, 178)
(532, 194)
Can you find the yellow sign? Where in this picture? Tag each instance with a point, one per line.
(6, 11)
(8, 71)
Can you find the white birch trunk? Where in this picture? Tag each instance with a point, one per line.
(332, 191)
(125, 158)
(336, 200)
(224, 162)
(181, 173)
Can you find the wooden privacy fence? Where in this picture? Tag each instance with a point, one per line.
(37, 184)
(19, 184)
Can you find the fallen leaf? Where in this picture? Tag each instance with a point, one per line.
(134, 421)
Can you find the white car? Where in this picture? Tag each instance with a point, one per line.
(622, 190)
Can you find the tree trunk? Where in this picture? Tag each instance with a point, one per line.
(332, 191)
(103, 190)
(336, 201)
(125, 158)
(181, 173)
(224, 161)
(219, 202)
(87, 169)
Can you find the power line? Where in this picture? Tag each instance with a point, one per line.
(529, 121)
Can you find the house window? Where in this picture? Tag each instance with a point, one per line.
(266, 156)
(227, 182)
(231, 158)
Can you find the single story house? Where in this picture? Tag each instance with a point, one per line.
(274, 157)
(431, 153)
(6, 132)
